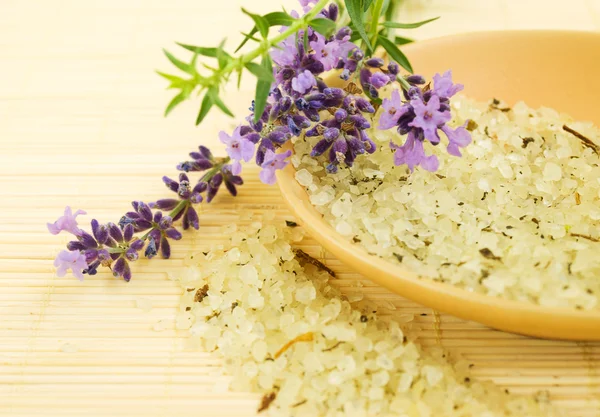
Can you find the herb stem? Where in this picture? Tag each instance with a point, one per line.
(299, 24)
(375, 21)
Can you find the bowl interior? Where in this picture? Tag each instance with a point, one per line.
(555, 69)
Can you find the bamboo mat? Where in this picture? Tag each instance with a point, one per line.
(81, 124)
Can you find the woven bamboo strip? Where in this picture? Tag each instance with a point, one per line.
(81, 124)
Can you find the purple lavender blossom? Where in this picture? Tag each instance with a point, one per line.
(429, 117)
(424, 113)
(457, 138)
(379, 79)
(413, 154)
(443, 87)
(73, 260)
(238, 149)
(393, 110)
(201, 161)
(304, 82)
(66, 222)
(273, 162)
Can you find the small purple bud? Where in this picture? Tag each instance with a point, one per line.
(379, 79)
(231, 188)
(358, 54)
(131, 255)
(137, 244)
(128, 233)
(364, 105)
(320, 147)
(315, 97)
(127, 273)
(340, 115)
(331, 133)
(206, 152)
(115, 232)
(90, 255)
(165, 248)
(301, 104)
(119, 267)
(94, 223)
(92, 268)
(172, 185)
(373, 91)
(244, 130)
(102, 234)
(316, 104)
(193, 217)
(375, 62)
(150, 249)
(236, 179)
(216, 180)
(345, 75)
(365, 76)
(393, 68)
(167, 203)
(165, 223)
(183, 177)
(301, 121)
(88, 240)
(286, 104)
(360, 122)
(340, 64)
(173, 233)
(141, 225)
(75, 245)
(157, 216)
(343, 32)
(340, 146)
(200, 187)
(280, 135)
(293, 128)
(335, 93)
(333, 11)
(415, 79)
(196, 198)
(331, 168)
(312, 114)
(103, 255)
(351, 65)
(253, 137)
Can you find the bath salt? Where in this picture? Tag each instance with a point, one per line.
(521, 202)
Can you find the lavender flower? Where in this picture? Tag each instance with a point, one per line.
(424, 113)
(201, 161)
(67, 222)
(304, 82)
(187, 196)
(413, 154)
(73, 260)
(272, 163)
(428, 116)
(238, 149)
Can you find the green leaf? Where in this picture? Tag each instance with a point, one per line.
(262, 89)
(273, 19)
(248, 36)
(399, 40)
(176, 82)
(209, 52)
(207, 103)
(173, 103)
(179, 64)
(415, 25)
(261, 72)
(214, 96)
(322, 25)
(367, 4)
(223, 58)
(395, 53)
(356, 13)
(261, 23)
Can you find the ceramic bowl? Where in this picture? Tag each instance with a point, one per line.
(544, 68)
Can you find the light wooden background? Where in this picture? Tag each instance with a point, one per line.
(81, 124)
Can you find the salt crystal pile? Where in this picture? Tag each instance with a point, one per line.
(283, 331)
(517, 216)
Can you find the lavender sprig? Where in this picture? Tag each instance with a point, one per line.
(115, 246)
